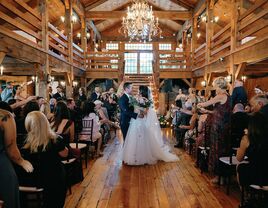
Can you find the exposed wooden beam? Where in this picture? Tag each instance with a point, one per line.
(162, 83)
(122, 38)
(78, 7)
(94, 28)
(183, 3)
(187, 82)
(200, 7)
(187, 24)
(2, 56)
(240, 69)
(90, 82)
(95, 4)
(171, 15)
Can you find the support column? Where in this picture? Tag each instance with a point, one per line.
(209, 35)
(84, 39)
(41, 83)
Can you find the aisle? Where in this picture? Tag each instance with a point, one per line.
(110, 184)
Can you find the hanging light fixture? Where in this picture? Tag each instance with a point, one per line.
(1, 70)
(140, 23)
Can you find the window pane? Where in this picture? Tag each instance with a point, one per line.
(112, 46)
(138, 46)
(165, 46)
(131, 63)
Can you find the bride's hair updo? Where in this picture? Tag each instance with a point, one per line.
(144, 91)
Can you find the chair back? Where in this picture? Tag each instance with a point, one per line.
(87, 128)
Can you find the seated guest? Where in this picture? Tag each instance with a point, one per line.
(62, 124)
(18, 95)
(89, 114)
(239, 122)
(7, 93)
(239, 94)
(111, 106)
(259, 103)
(254, 145)
(44, 149)
(9, 187)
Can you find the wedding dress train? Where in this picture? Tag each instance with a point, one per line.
(144, 142)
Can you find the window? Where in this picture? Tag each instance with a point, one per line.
(138, 46)
(164, 46)
(146, 63)
(112, 46)
(131, 63)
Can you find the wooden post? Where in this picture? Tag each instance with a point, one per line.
(194, 33)
(43, 70)
(209, 34)
(234, 20)
(84, 39)
(69, 28)
(2, 56)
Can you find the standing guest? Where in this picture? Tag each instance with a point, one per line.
(7, 93)
(96, 94)
(18, 95)
(192, 95)
(239, 122)
(181, 97)
(50, 94)
(59, 95)
(52, 104)
(45, 149)
(9, 187)
(258, 90)
(239, 94)
(82, 94)
(219, 131)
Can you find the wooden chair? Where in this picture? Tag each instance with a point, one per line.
(31, 196)
(68, 164)
(83, 145)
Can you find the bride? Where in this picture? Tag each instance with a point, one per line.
(144, 143)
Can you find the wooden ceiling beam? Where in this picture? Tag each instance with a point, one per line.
(78, 7)
(95, 4)
(183, 4)
(200, 7)
(94, 28)
(171, 15)
(2, 56)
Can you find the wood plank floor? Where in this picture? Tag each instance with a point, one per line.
(109, 184)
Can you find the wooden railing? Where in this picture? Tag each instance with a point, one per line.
(253, 23)
(58, 42)
(172, 61)
(24, 26)
(101, 61)
(21, 22)
(199, 56)
(221, 43)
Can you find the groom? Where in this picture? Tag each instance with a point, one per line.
(127, 111)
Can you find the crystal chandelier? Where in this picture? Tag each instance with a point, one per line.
(140, 23)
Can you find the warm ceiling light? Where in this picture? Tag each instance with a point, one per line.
(198, 35)
(1, 69)
(74, 18)
(244, 78)
(140, 23)
(204, 83)
(78, 35)
(62, 18)
(88, 35)
(216, 19)
(204, 19)
(180, 45)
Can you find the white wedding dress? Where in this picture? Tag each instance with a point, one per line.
(144, 142)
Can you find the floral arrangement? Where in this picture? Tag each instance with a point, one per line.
(143, 102)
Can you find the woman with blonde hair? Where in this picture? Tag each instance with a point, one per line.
(44, 148)
(220, 124)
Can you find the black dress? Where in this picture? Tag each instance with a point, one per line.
(49, 173)
(9, 188)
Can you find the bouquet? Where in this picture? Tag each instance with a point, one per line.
(140, 104)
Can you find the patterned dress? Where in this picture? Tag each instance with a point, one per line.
(219, 134)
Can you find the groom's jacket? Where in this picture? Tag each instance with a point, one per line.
(127, 111)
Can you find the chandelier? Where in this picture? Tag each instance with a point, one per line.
(140, 23)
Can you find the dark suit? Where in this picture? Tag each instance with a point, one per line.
(94, 96)
(127, 112)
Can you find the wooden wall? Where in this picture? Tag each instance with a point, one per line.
(251, 83)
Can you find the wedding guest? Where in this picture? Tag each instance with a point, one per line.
(258, 90)
(59, 94)
(44, 148)
(82, 94)
(62, 124)
(7, 93)
(239, 94)
(89, 114)
(96, 94)
(181, 97)
(50, 92)
(219, 130)
(9, 188)
(254, 145)
(259, 103)
(18, 95)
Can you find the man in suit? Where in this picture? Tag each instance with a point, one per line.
(96, 94)
(127, 111)
(59, 95)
